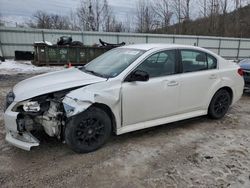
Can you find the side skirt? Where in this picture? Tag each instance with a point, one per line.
(161, 121)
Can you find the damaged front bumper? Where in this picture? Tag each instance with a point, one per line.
(24, 140)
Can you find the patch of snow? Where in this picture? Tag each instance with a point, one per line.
(25, 67)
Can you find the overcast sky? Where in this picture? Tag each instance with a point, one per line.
(21, 10)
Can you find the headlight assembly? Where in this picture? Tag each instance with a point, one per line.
(31, 106)
(68, 109)
(10, 97)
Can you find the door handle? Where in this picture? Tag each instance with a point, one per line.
(213, 76)
(172, 83)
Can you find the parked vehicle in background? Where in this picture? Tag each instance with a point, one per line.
(125, 89)
(245, 65)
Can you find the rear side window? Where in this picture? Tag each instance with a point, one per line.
(193, 61)
(211, 62)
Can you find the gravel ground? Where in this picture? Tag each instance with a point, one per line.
(195, 153)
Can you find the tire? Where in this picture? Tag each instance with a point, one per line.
(88, 131)
(219, 104)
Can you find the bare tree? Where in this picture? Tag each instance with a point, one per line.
(127, 24)
(203, 5)
(108, 17)
(92, 13)
(74, 22)
(162, 11)
(176, 6)
(110, 24)
(213, 15)
(116, 26)
(223, 4)
(44, 20)
(186, 9)
(238, 3)
(59, 22)
(181, 11)
(145, 17)
(41, 20)
(212, 7)
(237, 17)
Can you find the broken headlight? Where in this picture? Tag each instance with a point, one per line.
(31, 106)
(9, 99)
(68, 109)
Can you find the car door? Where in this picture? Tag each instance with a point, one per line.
(199, 74)
(155, 98)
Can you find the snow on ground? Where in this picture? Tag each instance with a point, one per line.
(25, 67)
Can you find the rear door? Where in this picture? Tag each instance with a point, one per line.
(199, 74)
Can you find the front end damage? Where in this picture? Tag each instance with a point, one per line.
(51, 112)
(44, 112)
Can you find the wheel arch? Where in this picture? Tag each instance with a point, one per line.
(212, 112)
(108, 110)
(228, 89)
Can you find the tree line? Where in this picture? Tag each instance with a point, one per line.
(91, 15)
(161, 16)
(215, 17)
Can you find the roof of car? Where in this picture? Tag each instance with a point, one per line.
(150, 46)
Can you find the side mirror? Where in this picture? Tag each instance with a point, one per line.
(138, 75)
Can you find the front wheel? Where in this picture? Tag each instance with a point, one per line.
(219, 104)
(88, 131)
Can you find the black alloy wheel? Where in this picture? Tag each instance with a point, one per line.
(220, 104)
(88, 131)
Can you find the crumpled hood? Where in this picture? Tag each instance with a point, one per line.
(51, 82)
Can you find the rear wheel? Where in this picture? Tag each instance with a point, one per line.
(88, 131)
(219, 104)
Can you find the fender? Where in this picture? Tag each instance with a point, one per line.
(223, 82)
(108, 93)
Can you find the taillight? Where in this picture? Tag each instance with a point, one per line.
(240, 71)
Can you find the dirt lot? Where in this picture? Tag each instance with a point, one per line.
(194, 153)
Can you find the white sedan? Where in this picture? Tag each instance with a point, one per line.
(126, 89)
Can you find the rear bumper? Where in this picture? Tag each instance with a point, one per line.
(23, 140)
(238, 91)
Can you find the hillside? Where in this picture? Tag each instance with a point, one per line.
(233, 24)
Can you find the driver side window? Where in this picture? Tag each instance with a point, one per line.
(159, 64)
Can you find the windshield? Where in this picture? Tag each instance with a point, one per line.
(113, 62)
